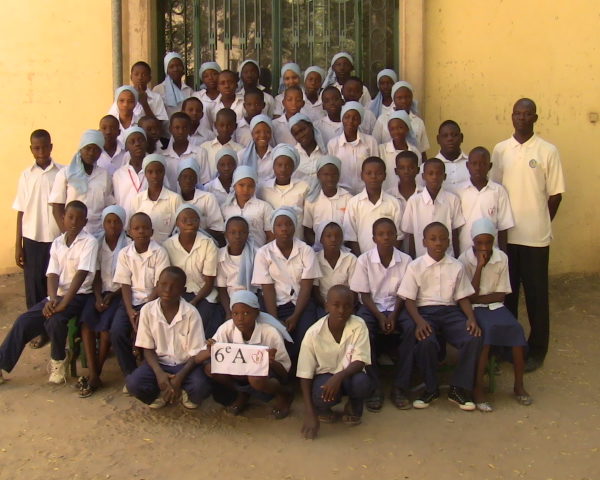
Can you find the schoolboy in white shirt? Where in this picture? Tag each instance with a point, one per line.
(293, 101)
(200, 129)
(71, 269)
(225, 124)
(227, 98)
(376, 278)
(113, 154)
(368, 206)
(432, 204)
(138, 268)
(435, 290)
(480, 197)
(170, 334)
(36, 226)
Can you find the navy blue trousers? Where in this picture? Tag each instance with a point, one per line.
(142, 383)
(212, 314)
(450, 321)
(358, 387)
(37, 256)
(122, 339)
(33, 323)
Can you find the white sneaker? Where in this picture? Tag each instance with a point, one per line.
(125, 391)
(158, 403)
(186, 402)
(58, 371)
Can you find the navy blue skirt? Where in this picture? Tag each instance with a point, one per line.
(99, 321)
(500, 327)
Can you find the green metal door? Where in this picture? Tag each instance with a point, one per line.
(274, 32)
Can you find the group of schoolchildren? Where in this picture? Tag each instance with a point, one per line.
(311, 222)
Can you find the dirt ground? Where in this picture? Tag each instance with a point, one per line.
(48, 432)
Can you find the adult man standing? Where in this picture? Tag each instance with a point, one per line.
(530, 170)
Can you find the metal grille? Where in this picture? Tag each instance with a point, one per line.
(274, 32)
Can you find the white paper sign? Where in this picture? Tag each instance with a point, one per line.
(239, 359)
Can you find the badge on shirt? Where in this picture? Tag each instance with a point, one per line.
(533, 163)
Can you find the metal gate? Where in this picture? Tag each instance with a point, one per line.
(274, 32)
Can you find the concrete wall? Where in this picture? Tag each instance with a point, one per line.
(55, 65)
(482, 56)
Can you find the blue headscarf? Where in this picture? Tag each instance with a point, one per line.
(153, 157)
(248, 298)
(223, 152)
(316, 69)
(249, 156)
(122, 241)
(402, 115)
(244, 63)
(286, 150)
(300, 117)
(134, 129)
(353, 106)
(127, 88)
(289, 212)
(330, 79)
(414, 108)
(173, 94)
(377, 102)
(315, 188)
(241, 172)
(294, 67)
(208, 66)
(75, 174)
(188, 162)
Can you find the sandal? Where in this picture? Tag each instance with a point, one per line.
(375, 403)
(400, 399)
(280, 413)
(328, 417)
(524, 400)
(85, 389)
(349, 418)
(485, 407)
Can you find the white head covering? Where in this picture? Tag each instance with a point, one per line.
(294, 67)
(330, 79)
(286, 150)
(319, 228)
(316, 69)
(242, 65)
(353, 106)
(483, 225)
(402, 115)
(286, 212)
(209, 66)
(173, 94)
(249, 156)
(377, 102)
(132, 130)
(76, 175)
(414, 108)
(122, 241)
(315, 188)
(153, 157)
(241, 172)
(127, 88)
(188, 162)
(300, 117)
(224, 151)
(248, 298)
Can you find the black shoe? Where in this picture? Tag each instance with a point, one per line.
(425, 399)
(461, 397)
(533, 363)
(400, 399)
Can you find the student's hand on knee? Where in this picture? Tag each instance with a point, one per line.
(331, 389)
(291, 323)
(473, 328)
(310, 427)
(176, 381)
(423, 330)
(164, 383)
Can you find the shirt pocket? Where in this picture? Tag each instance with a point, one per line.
(447, 286)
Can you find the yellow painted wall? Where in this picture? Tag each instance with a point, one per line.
(56, 71)
(482, 56)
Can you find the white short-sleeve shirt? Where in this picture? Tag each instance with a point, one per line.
(258, 215)
(352, 154)
(340, 274)
(98, 196)
(494, 275)
(127, 183)
(211, 217)
(421, 210)
(203, 133)
(242, 134)
(286, 274)
(531, 172)
(66, 261)
(491, 202)
(141, 270)
(371, 276)
(176, 342)
(155, 102)
(291, 195)
(161, 89)
(199, 154)
(198, 263)
(263, 334)
(212, 147)
(281, 131)
(33, 193)
(112, 163)
(107, 263)
(264, 164)
(237, 106)
(328, 128)
(320, 353)
(314, 111)
(228, 272)
(456, 172)
(435, 283)
(307, 167)
(161, 211)
(326, 209)
(361, 214)
(217, 189)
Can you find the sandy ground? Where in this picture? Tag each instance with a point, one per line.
(48, 432)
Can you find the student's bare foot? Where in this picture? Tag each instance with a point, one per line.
(281, 406)
(523, 397)
(239, 405)
(39, 341)
(349, 418)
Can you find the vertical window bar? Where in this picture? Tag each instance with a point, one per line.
(358, 24)
(258, 19)
(196, 44)
(276, 33)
